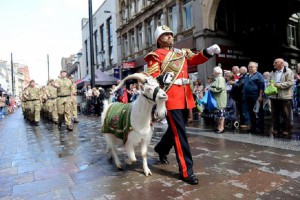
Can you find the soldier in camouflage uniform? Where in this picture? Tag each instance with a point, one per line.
(23, 100)
(74, 100)
(43, 104)
(64, 91)
(33, 98)
(52, 102)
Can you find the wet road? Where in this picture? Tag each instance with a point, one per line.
(45, 163)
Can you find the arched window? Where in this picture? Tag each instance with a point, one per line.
(123, 12)
(131, 8)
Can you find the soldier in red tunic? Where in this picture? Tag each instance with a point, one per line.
(170, 67)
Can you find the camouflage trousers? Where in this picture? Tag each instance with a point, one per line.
(51, 108)
(74, 107)
(64, 109)
(34, 109)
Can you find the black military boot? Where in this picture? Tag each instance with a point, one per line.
(76, 120)
(69, 128)
(59, 124)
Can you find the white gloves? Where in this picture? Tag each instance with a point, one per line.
(214, 49)
(167, 79)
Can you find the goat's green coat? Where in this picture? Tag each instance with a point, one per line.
(117, 120)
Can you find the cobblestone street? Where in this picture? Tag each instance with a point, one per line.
(42, 162)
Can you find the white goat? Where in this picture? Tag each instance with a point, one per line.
(140, 118)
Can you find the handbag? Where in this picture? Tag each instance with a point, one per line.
(209, 101)
(271, 90)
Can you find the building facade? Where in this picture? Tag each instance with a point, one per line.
(3, 68)
(104, 40)
(244, 31)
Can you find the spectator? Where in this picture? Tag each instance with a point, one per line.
(238, 95)
(208, 83)
(198, 89)
(253, 92)
(218, 88)
(134, 92)
(236, 73)
(281, 103)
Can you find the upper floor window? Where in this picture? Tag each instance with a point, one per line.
(102, 45)
(173, 22)
(150, 32)
(124, 12)
(110, 40)
(140, 37)
(132, 8)
(139, 5)
(125, 45)
(187, 14)
(160, 19)
(132, 42)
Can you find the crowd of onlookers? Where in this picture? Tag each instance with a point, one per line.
(8, 105)
(241, 92)
(94, 97)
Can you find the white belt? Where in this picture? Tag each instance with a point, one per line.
(182, 81)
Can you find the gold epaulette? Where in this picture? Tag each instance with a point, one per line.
(154, 55)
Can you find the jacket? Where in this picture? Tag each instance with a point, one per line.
(285, 88)
(218, 88)
(179, 96)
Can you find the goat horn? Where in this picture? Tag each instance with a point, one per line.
(139, 76)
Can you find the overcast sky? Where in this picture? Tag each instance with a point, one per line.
(31, 29)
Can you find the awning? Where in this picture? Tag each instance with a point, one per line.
(101, 79)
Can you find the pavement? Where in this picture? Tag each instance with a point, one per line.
(46, 163)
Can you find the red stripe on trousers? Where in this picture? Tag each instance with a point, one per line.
(178, 146)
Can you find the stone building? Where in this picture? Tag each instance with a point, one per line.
(245, 30)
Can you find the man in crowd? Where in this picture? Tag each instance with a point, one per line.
(253, 92)
(281, 103)
(52, 101)
(169, 66)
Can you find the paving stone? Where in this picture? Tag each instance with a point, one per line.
(257, 181)
(8, 171)
(63, 194)
(9, 181)
(42, 186)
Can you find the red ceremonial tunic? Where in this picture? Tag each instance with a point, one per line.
(179, 96)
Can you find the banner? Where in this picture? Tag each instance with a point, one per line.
(128, 65)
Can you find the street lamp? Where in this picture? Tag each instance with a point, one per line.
(91, 44)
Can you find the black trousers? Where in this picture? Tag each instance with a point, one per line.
(257, 124)
(281, 109)
(176, 136)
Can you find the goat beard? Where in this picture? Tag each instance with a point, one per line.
(160, 111)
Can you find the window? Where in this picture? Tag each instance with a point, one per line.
(132, 8)
(187, 14)
(140, 37)
(125, 45)
(86, 56)
(102, 51)
(292, 35)
(132, 42)
(124, 12)
(96, 48)
(139, 5)
(150, 32)
(173, 23)
(160, 19)
(110, 40)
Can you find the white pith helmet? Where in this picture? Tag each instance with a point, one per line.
(161, 30)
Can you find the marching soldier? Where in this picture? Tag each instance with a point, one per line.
(64, 91)
(52, 102)
(74, 100)
(44, 101)
(33, 98)
(170, 67)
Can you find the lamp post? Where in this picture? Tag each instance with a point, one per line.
(91, 44)
(12, 75)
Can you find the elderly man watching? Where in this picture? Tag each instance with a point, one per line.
(281, 103)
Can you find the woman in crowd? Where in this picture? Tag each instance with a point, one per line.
(218, 89)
